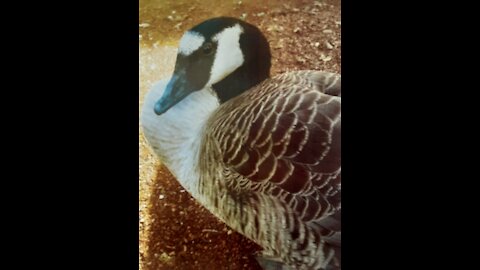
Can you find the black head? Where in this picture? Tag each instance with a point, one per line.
(225, 54)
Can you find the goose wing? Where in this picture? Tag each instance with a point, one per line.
(283, 139)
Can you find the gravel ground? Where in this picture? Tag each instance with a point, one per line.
(176, 232)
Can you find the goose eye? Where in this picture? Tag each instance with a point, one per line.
(207, 48)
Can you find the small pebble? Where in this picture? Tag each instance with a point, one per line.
(177, 26)
(328, 45)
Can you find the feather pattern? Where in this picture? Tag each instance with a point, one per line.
(270, 166)
(262, 154)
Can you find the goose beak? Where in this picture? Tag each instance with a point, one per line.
(176, 90)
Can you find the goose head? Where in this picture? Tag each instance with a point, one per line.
(226, 55)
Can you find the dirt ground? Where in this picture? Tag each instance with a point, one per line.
(174, 231)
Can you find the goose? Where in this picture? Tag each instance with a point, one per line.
(261, 153)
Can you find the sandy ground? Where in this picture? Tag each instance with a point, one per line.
(175, 232)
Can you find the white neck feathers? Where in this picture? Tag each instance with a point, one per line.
(175, 136)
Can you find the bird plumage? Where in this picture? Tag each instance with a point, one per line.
(277, 146)
(265, 160)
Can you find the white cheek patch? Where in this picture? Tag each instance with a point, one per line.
(229, 56)
(190, 42)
